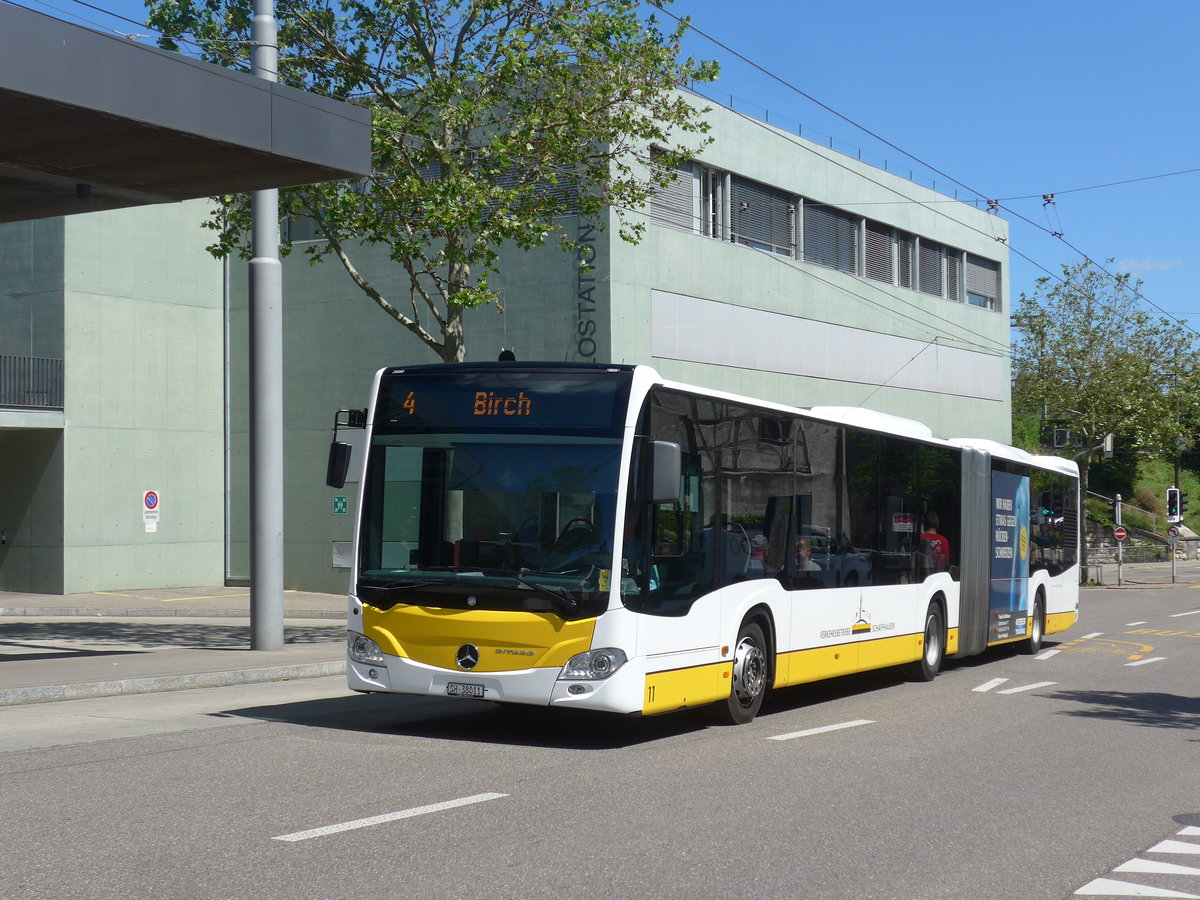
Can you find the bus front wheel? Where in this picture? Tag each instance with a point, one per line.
(933, 647)
(750, 671)
(1037, 628)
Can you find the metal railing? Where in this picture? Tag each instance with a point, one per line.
(29, 382)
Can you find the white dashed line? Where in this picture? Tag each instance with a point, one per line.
(1046, 654)
(1028, 687)
(386, 817)
(1143, 662)
(1194, 612)
(1131, 624)
(1092, 635)
(988, 685)
(821, 730)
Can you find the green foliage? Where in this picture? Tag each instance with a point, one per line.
(491, 118)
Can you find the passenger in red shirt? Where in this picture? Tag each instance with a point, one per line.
(938, 544)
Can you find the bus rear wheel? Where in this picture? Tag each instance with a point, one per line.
(1037, 627)
(750, 671)
(933, 647)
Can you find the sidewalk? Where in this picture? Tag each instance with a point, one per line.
(55, 647)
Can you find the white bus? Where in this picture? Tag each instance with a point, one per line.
(596, 537)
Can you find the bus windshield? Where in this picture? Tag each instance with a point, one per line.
(489, 495)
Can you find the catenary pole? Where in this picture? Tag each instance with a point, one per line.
(266, 382)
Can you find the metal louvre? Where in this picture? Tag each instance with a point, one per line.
(983, 277)
(953, 274)
(763, 216)
(672, 205)
(929, 268)
(879, 253)
(830, 237)
(904, 259)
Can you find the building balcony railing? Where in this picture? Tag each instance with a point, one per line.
(28, 382)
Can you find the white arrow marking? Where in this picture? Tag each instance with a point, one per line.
(1028, 687)
(987, 686)
(1109, 887)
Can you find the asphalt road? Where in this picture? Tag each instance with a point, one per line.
(1007, 777)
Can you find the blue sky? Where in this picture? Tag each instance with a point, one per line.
(1013, 100)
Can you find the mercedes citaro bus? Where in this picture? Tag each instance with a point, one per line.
(594, 536)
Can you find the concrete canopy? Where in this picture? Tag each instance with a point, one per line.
(90, 121)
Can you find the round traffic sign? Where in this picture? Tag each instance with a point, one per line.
(1173, 531)
(150, 499)
(1120, 533)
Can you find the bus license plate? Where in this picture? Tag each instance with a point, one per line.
(464, 689)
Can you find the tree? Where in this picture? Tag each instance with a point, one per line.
(490, 118)
(1093, 359)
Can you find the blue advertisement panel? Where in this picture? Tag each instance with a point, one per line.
(1010, 555)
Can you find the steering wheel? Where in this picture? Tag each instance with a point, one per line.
(579, 523)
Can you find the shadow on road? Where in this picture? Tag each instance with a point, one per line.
(1150, 709)
(391, 715)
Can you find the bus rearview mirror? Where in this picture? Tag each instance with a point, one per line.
(339, 464)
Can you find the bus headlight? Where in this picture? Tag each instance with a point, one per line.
(362, 649)
(595, 665)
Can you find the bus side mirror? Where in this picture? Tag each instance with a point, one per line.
(666, 466)
(339, 464)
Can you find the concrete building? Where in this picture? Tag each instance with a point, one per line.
(773, 267)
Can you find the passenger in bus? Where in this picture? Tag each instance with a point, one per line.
(937, 545)
(804, 560)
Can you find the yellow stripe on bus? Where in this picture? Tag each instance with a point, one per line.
(507, 641)
(693, 686)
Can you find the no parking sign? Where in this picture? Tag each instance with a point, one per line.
(150, 505)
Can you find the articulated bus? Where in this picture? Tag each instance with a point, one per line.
(596, 537)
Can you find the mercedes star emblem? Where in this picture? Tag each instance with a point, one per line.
(467, 656)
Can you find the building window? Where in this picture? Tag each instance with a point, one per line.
(712, 202)
(673, 205)
(880, 253)
(831, 237)
(762, 217)
(929, 267)
(983, 282)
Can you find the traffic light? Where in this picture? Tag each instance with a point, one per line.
(1174, 504)
(1182, 504)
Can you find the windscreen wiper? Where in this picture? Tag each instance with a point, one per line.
(568, 603)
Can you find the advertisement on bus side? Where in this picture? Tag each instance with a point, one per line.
(1009, 600)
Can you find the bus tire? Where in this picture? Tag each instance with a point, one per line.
(1037, 628)
(933, 647)
(750, 675)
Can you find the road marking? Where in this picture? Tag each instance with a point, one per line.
(1142, 662)
(386, 817)
(1194, 612)
(1190, 830)
(988, 685)
(1159, 868)
(822, 730)
(1174, 847)
(1028, 687)
(1131, 624)
(1109, 887)
(1092, 635)
(1046, 654)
